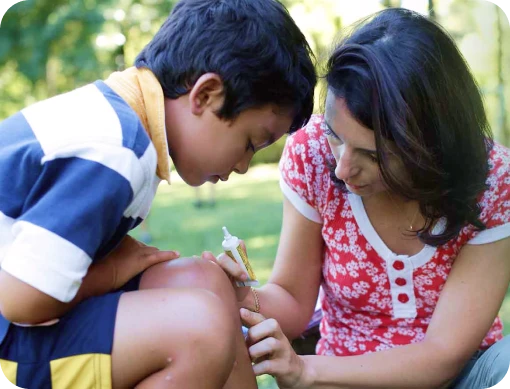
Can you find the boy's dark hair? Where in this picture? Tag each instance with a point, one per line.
(402, 76)
(253, 45)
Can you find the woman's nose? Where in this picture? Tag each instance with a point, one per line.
(346, 165)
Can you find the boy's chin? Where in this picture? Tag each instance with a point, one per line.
(190, 179)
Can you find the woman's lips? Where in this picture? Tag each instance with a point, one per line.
(355, 187)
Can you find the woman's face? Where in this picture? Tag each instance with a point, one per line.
(354, 149)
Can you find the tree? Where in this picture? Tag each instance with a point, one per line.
(502, 119)
(48, 47)
(37, 32)
(51, 46)
(432, 10)
(391, 3)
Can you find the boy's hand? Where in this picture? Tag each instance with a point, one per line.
(129, 259)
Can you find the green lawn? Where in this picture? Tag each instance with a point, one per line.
(250, 206)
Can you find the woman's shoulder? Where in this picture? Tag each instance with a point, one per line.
(499, 160)
(305, 164)
(309, 142)
(498, 178)
(312, 131)
(496, 198)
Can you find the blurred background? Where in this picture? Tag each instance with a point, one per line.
(52, 46)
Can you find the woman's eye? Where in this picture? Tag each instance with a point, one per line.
(332, 137)
(372, 158)
(329, 133)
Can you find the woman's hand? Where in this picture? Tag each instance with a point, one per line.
(272, 353)
(129, 259)
(233, 270)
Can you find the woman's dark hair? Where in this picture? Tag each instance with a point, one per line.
(402, 76)
(253, 45)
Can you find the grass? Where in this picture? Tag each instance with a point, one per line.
(251, 208)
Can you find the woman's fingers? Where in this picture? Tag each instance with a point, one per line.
(266, 329)
(208, 256)
(250, 318)
(228, 265)
(231, 267)
(273, 367)
(243, 245)
(265, 348)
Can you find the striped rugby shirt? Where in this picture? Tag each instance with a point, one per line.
(77, 172)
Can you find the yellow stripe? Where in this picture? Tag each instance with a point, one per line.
(88, 371)
(10, 370)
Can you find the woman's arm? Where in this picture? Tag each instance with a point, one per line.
(292, 290)
(468, 304)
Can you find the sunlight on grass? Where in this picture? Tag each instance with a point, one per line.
(250, 206)
(262, 241)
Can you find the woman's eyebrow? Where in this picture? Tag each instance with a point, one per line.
(367, 151)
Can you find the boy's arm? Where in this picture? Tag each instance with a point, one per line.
(22, 303)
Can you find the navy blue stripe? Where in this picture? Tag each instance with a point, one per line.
(126, 225)
(80, 200)
(20, 163)
(134, 136)
(4, 327)
(141, 142)
(36, 375)
(88, 328)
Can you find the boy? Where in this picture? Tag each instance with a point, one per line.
(220, 80)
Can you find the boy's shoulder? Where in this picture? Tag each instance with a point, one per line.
(90, 115)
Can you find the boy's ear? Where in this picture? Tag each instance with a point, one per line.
(207, 93)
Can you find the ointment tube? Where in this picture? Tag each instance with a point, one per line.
(232, 246)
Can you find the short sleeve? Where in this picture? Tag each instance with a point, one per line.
(495, 202)
(75, 205)
(305, 176)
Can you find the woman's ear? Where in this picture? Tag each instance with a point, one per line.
(207, 94)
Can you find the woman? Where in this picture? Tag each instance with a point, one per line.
(409, 237)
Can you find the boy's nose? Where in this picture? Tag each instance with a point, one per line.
(242, 166)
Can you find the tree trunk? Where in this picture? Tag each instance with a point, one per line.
(502, 120)
(391, 3)
(432, 10)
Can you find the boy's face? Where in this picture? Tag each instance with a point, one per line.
(206, 148)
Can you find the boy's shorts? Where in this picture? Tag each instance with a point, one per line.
(73, 353)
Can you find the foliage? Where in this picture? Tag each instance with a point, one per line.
(36, 32)
(49, 47)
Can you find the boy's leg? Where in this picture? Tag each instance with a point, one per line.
(203, 274)
(489, 369)
(178, 338)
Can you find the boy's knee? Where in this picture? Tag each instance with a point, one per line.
(187, 273)
(210, 325)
